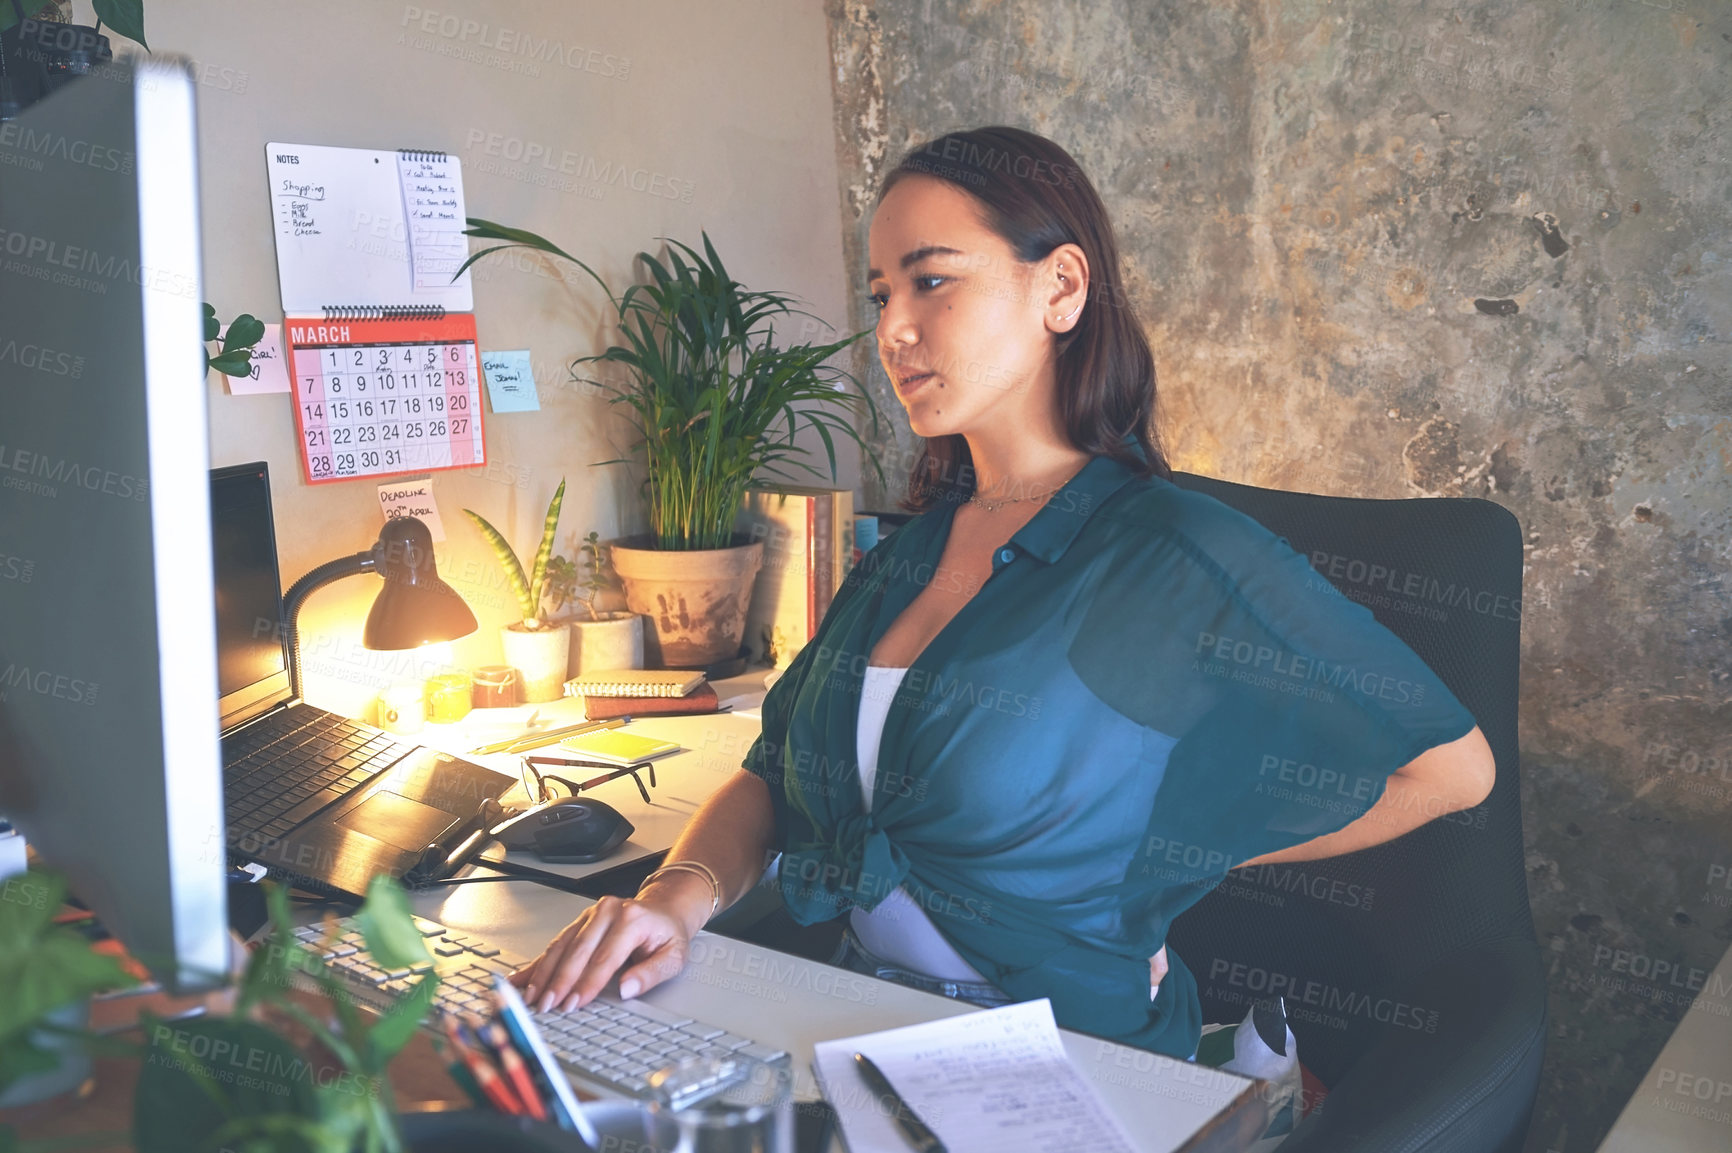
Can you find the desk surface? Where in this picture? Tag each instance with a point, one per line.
(1684, 1104)
(794, 1003)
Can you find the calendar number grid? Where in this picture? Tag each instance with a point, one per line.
(382, 408)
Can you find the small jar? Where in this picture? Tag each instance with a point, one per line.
(495, 687)
(448, 697)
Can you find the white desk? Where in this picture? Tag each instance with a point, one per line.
(793, 1003)
(756, 992)
(1684, 1104)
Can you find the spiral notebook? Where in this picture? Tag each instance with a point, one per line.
(635, 683)
(364, 233)
(379, 339)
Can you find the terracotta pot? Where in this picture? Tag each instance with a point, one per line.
(695, 599)
(540, 658)
(613, 642)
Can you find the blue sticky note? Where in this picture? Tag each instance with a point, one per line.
(510, 381)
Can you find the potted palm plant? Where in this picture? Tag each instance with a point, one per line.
(715, 400)
(536, 646)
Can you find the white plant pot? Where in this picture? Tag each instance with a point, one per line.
(74, 1067)
(540, 658)
(613, 642)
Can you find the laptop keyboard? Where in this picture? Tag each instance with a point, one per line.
(612, 1042)
(283, 768)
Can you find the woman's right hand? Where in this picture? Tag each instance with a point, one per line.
(645, 939)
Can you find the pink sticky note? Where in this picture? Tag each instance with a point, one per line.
(270, 371)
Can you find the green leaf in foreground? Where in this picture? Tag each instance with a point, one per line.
(43, 966)
(389, 926)
(123, 16)
(213, 1075)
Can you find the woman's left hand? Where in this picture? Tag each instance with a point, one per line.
(1157, 971)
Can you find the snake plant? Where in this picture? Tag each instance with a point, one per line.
(528, 589)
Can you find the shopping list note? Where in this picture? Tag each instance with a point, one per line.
(412, 498)
(343, 234)
(433, 213)
(270, 372)
(510, 381)
(995, 1081)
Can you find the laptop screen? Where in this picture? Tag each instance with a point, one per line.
(252, 671)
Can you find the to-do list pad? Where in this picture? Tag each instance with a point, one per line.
(361, 229)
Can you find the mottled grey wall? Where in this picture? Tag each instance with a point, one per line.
(1430, 248)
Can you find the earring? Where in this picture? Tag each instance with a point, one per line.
(1073, 312)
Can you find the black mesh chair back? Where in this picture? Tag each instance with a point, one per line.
(1410, 969)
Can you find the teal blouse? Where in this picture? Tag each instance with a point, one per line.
(1149, 689)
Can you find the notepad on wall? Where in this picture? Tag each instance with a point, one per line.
(635, 683)
(363, 232)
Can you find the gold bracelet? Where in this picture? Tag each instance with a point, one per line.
(697, 867)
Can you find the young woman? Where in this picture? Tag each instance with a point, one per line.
(1049, 713)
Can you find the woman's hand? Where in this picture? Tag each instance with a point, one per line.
(1157, 971)
(651, 933)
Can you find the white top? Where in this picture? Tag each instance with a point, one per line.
(898, 930)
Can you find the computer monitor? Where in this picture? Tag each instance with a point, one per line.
(109, 746)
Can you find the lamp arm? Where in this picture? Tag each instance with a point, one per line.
(299, 592)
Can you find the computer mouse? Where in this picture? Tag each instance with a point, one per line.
(569, 831)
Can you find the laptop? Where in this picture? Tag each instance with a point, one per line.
(321, 801)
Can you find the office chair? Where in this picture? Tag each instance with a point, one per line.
(1427, 1017)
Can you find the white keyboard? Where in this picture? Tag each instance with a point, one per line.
(615, 1043)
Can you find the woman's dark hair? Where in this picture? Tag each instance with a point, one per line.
(1036, 197)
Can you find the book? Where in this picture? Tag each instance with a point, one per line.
(807, 533)
(702, 699)
(634, 683)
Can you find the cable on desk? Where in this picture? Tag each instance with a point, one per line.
(515, 872)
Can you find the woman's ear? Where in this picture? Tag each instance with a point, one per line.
(1065, 275)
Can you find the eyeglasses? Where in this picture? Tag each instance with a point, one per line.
(539, 786)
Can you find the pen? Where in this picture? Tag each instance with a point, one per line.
(537, 740)
(923, 1139)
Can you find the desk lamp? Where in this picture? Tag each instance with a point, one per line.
(414, 608)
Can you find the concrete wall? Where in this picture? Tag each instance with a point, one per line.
(1411, 248)
(728, 104)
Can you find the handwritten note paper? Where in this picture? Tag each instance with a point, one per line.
(433, 211)
(996, 1081)
(270, 372)
(298, 204)
(510, 381)
(344, 235)
(412, 498)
